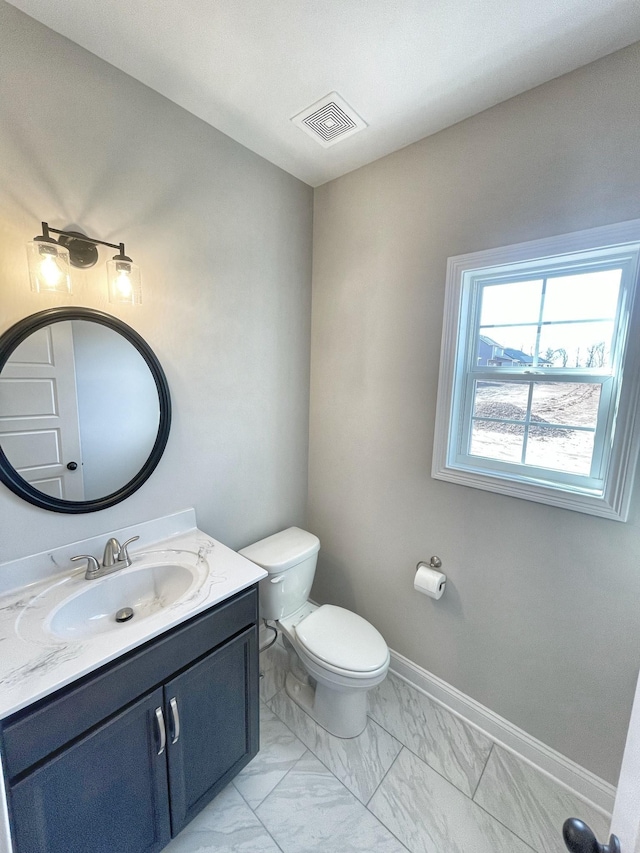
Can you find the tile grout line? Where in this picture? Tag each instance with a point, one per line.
(306, 749)
(508, 828)
(384, 776)
(264, 799)
(257, 817)
(265, 828)
(430, 766)
(328, 769)
(315, 755)
(444, 712)
(475, 790)
(487, 812)
(366, 805)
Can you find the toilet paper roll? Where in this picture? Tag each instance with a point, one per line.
(429, 581)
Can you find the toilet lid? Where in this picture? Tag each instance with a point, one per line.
(342, 639)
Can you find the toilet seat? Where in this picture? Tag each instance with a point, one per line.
(335, 675)
(342, 642)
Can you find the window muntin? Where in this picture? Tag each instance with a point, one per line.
(535, 352)
(540, 424)
(559, 320)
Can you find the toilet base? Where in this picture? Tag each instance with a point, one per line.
(341, 713)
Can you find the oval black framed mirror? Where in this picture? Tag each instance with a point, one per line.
(85, 410)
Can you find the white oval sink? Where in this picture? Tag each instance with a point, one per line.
(146, 590)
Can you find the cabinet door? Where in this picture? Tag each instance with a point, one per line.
(105, 793)
(212, 715)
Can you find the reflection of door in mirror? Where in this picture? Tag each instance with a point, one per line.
(39, 413)
(77, 392)
(118, 407)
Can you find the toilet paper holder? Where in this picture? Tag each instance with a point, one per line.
(434, 563)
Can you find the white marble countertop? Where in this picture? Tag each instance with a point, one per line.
(35, 662)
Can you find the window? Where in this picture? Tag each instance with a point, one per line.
(539, 373)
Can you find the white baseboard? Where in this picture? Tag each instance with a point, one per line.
(572, 776)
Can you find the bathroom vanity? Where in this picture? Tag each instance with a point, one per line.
(115, 735)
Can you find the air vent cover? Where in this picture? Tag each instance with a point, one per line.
(329, 120)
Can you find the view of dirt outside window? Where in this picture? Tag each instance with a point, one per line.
(546, 424)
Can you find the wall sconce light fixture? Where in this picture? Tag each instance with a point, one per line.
(50, 260)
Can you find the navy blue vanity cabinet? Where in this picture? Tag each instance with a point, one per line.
(208, 715)
(121, 760)
(106, 793)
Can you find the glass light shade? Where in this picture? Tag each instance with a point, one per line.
(49, 267)
(124, 281)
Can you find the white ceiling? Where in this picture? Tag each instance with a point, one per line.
(408, 67)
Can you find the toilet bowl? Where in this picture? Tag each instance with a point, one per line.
(335, 656)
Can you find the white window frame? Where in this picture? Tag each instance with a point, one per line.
(607, 493)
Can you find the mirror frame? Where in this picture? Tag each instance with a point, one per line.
(15, 336)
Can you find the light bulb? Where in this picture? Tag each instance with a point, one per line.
(48, 267)
(124, 281)
(123, 284)
(50, 272)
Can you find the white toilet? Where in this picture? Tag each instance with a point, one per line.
(342, 655)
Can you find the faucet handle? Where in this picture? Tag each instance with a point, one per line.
(123, 555)
(93, 566)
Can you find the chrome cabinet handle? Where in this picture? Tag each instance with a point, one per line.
(161, 730)
(176, 719)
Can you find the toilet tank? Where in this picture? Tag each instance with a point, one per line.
(290, 559)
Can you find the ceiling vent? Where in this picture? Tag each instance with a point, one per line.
(329, 120)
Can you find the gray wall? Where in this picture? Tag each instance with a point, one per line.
(540, 618)
(223, 239)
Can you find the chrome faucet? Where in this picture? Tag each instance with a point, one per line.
(111, 552)
(115, 557)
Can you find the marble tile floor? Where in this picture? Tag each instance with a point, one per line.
(417, 779)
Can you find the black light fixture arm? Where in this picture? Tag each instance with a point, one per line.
(46, 228)
(82, 249)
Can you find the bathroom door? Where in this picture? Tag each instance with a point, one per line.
(39, 427)
(626, 813)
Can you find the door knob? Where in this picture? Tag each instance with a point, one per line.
(72, 466)
(579, 838)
